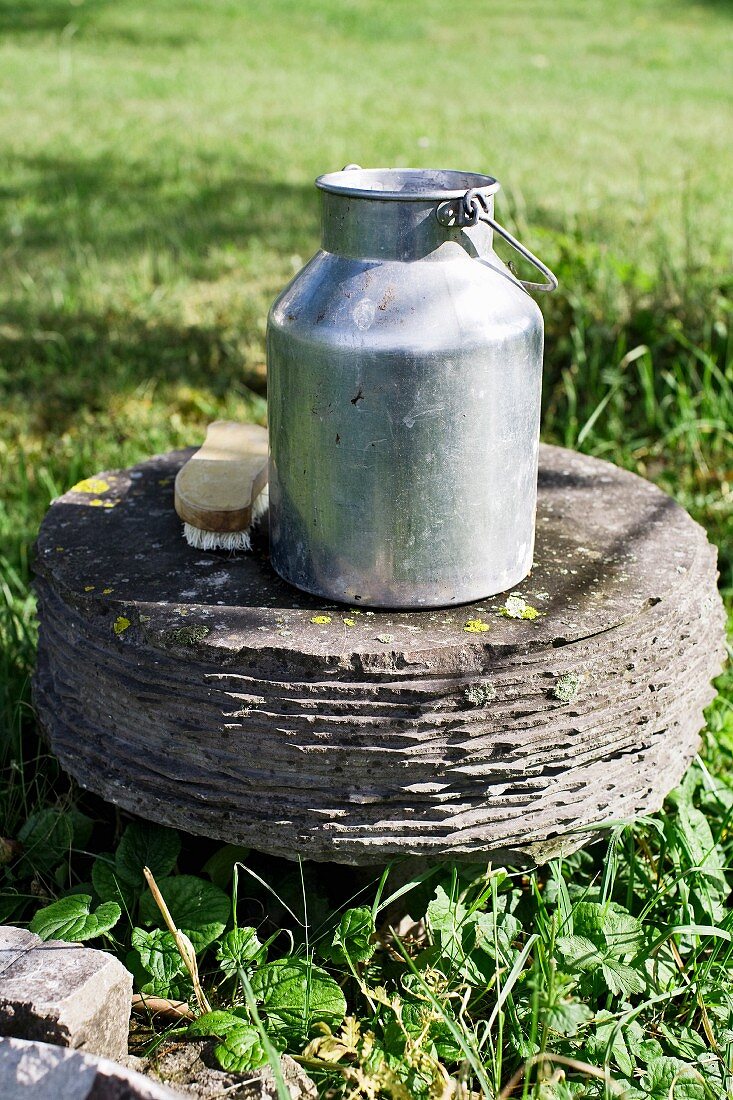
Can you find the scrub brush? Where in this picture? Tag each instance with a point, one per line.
(221, 492)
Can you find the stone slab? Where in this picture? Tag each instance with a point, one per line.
(31, 1070)
(63, 993)
(196, 688)
(14, 943)
(608, 543)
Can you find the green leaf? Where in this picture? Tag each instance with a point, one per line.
(622, 931)
(218, 1023)
(220, 866)
(446, 1046)
(701, 847)
(159, 956)
(609, 1040)
(353, 937)
(607, 924)
(446, 916)
(565, 1017)
(71, 919)
(295, 994)
(496, 931)
(81, 827)
(47, 837)
(11, 903)
(241, 1051)
(199, 908)
(621, 979)
(178, 989)
(109, 886)
(238, 947)
(140, 976)
(579, 952)
(146, 845)
(667, 1078)
(647, 1050)
(453, 932)
(558, 1090)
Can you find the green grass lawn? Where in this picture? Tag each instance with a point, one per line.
(156, 167)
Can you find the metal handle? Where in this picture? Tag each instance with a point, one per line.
(474, 207)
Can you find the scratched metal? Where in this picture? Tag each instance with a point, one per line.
(405, 366)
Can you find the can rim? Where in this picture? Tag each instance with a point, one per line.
(406, 184)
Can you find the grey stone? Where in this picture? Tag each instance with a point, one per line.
(63, 993)
(39, 1071)
(14, 943)
(307, 729)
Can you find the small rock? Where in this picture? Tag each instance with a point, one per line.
(44, 1072)
(63, 993)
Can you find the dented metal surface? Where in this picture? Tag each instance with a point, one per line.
(405, 365)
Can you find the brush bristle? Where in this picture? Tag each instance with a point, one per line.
(228, 540)
(260, 506)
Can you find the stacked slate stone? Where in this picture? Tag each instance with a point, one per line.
(200, 691)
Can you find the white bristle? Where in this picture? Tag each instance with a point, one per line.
(216, 540)
(260, 506)
(228, 540)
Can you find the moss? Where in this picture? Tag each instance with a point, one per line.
(92, 485)
(516, 607)
(186, 635)
(567, 687)
(479, 694)
(476, 626)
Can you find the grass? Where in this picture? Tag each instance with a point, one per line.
(156, 193)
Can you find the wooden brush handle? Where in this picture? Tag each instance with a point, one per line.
(216, 488)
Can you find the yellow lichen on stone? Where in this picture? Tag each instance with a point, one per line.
(89, 587)
(90, 485)
(476, 626)
(349, 622)
(321, 620)
(516, 607)
(121, 624)
(107, 591)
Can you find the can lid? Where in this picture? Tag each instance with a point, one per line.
(405, 184)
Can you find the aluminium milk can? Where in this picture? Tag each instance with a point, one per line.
(404, 377)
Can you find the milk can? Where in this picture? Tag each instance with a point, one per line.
(405, 365)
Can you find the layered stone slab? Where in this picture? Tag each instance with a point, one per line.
(201, 691)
